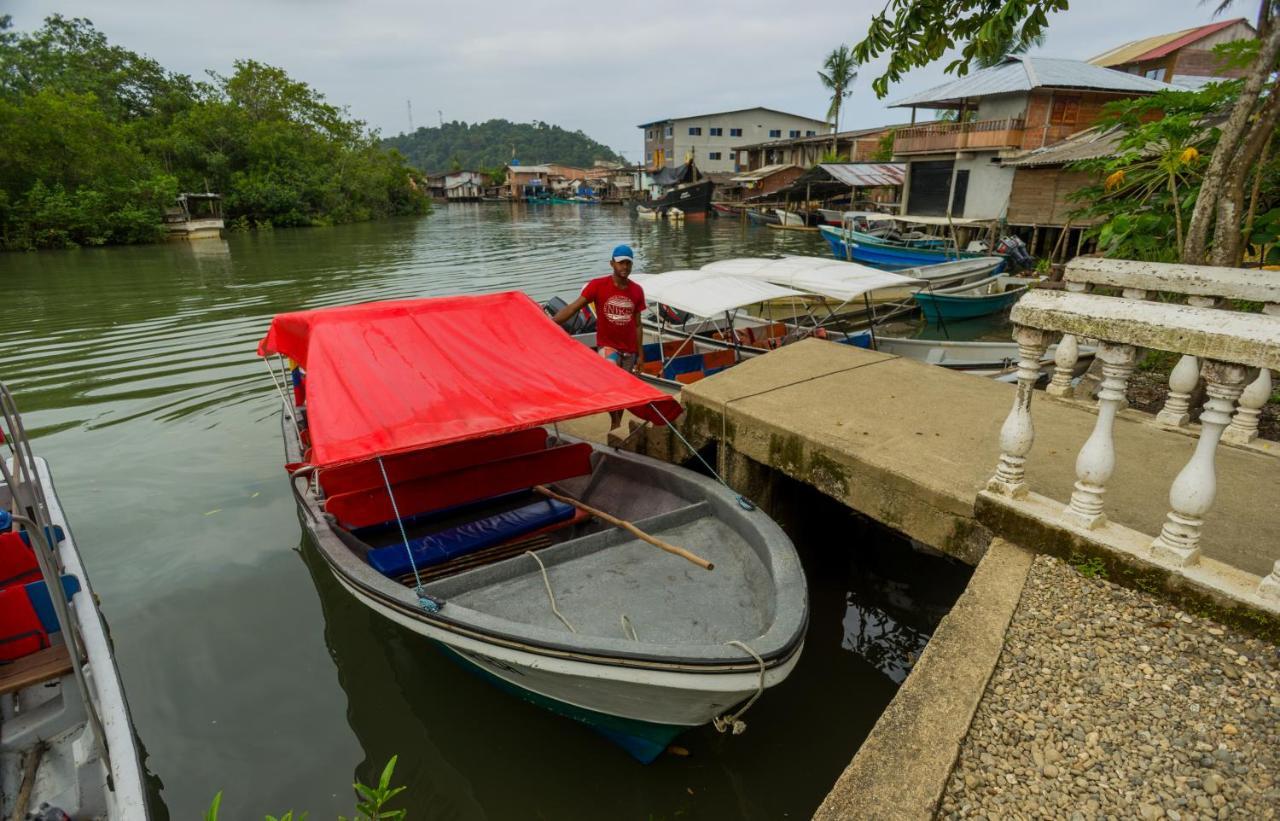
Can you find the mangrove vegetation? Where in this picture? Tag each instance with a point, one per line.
(96, 140)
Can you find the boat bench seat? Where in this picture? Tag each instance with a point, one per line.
(667, 350)
(27, 617)
(18, 558)
(469, 483)
(691, 368)
(36, 668)
(393, 560)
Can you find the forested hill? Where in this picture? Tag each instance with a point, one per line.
(490, 144)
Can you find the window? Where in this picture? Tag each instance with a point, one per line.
(735, 132)
(811, 133)
(775, 132)
(717, 132)
(695, 131)
(1154, 74)
(793, 133)
(1065, 111)
(648, 158)
(667, 131)
(714, 155)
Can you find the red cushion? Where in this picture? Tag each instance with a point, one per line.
(406, 467)
(21, 632)
(372, 506)
(17, 560)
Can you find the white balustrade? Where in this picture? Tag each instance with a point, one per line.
(1270, 586)
(1244, 425)
(1017, 434)
(1191, 494)
(1064, 366)
(1097, 459)
(1182, 381)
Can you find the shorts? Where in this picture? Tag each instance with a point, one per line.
(626, 361)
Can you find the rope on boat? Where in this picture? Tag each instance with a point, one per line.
(733, 721)
(743, 502)
(552, 596)
(424, 601)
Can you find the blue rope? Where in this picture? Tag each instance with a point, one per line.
(426, 602)
(743, 502)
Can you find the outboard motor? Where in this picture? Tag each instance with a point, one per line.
(583, 323)
(1016, 250)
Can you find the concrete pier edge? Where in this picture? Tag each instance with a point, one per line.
(902, 767)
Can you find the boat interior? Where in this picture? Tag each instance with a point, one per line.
(475, 521)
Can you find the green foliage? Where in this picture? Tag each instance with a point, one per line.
(884, 149)
(95, 142)
(915, 33)
(839, 72)
(1091, 567)
(371, 802)
(1146, 189)
(494, 143)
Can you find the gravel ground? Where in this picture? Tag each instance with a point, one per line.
(1109, 703)
(1148, 390)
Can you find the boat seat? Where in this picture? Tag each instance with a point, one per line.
(652, 367)
(482, 480)
(718, 360)
(652, 352)
(690, 377)
(393, 560)
(17, 560)
(27, 617)
(682, 364)
(677, 347)
(36, 668)
(406, 467)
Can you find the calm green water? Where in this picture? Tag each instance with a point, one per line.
(248, 670)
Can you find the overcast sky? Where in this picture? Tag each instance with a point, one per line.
(602, 67)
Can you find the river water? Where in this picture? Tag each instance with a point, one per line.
(248, 670)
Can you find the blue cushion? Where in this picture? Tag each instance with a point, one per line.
(58, 536)
(43, 605)
(861, 339)
(440, 547)
(682, 364)
(652, 351)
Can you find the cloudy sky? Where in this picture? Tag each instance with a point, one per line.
(602, 67)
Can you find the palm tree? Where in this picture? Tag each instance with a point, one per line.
(839, 75)
(1008, 47)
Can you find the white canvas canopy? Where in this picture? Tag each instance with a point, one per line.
(844, 281)
(708, 293)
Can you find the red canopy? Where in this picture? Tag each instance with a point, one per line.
(387, 377)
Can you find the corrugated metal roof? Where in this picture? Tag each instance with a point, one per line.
(1085, 145)
(866, 174)
(731, 111)
(1153, 48)
(761, 173)
(1020, 74)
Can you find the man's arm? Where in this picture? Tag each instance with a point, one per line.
(639, 346)
(569, 310)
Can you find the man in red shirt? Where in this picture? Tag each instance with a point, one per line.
(618, 304)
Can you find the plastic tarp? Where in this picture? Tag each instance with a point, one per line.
(391, 377)
(814, 275)
(707, 294)
(675, 174)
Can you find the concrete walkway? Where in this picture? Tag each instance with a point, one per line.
(912, 444)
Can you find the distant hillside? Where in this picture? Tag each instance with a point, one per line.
(490, 144)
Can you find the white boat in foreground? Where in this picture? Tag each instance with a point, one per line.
(438, 499)
(66, 740)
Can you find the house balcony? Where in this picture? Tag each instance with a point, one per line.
(980, 135)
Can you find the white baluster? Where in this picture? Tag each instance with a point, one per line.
(1244, 425)
(1270, 586)
(1097, 459)
(1182, 381)
(1191, 494)
(1064, 366)
(1017, 434)
(1134, 293)
(1271, 308)
(1202, 301)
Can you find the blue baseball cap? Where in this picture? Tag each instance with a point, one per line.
(623, 252)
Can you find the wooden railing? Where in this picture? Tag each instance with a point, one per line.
(1005, 133)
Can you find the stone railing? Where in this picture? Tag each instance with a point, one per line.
(1204, 287)
(1226, 344)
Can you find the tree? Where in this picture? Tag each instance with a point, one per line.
(1008, 47)
(839, 74)
(917, 32)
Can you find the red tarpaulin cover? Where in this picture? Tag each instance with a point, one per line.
(388, 377)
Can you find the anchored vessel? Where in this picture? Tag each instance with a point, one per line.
(423, 469)
(65, 735)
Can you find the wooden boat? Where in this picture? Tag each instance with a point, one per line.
(66, 739)
(887, 255)
(693, 198)
(426, 502)
(990, 359)
(194, 216)
(989, 296)
(762, 217)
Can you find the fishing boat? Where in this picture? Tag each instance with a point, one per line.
(989, 296)
(647, 213)
(889, 256)
(693, 198)
(194, 216)
(762, 217)
(66, 741)
(430, 473)
(990, 359)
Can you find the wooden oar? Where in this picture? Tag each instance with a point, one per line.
(627, 526)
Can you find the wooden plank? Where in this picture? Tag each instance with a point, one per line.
(37, 668)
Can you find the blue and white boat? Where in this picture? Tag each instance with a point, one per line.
(990, 296)
(889, 256)
(428, 470)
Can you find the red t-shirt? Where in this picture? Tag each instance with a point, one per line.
(617, 312)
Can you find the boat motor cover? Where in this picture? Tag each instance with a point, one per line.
(391, 377)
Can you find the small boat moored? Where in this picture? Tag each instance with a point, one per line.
(989, 296)
(430, 473)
